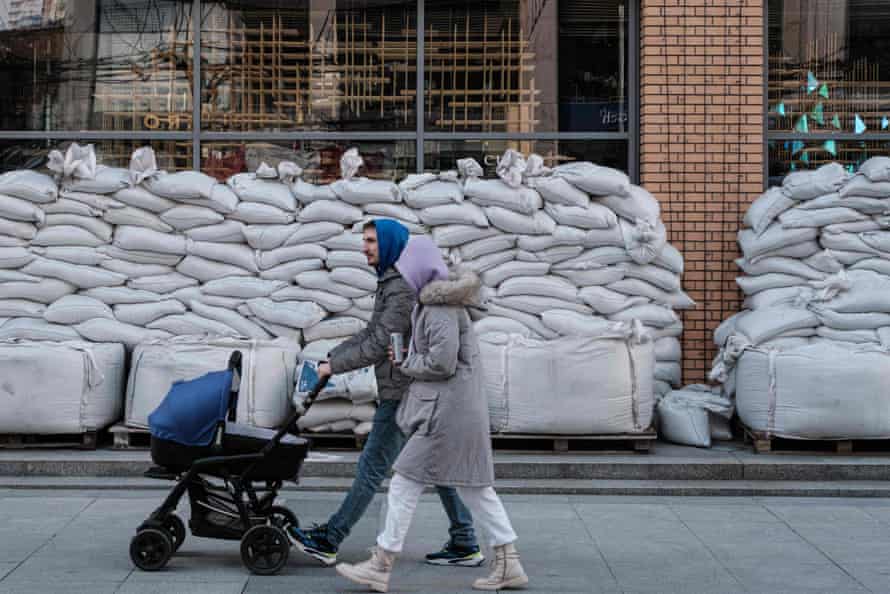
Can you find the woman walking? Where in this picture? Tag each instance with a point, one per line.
(445, 417)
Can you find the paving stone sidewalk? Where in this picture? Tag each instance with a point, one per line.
(76, 542)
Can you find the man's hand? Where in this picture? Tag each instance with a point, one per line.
(324, 370)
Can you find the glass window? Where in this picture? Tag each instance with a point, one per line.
(96, 65)
(319, 65)
(172, 155)
(440, 155)
(320, 159)
(526, 66)
(829, 73)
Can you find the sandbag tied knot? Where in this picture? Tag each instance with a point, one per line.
(78, 161)
(511, 168)
(535, 167)
(831, 286)
(469, 168)
(350, 163)
(727, 358)
(266, 172)
(143, 165)
(288, 171)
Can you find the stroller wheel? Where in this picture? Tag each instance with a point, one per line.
(283, 517)
(264, 549)
(150, 549)
(176, 527)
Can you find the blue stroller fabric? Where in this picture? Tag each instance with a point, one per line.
(191, 410)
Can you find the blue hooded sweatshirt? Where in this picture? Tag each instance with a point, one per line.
(391, 239)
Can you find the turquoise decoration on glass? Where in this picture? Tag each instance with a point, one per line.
(858, 125)
(780, 109)
(836, 122)
(818, 114)
(830, 146)
(812, 83)
(823, 91)
(805, 157)
(802, 125)
(885, 123)
(797, 146)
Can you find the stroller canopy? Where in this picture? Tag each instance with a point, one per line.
(191, 409)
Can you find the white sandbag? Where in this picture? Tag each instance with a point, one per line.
(97, 227)
(205, 270)
(266, 380)
(267, 237)
(289, 271)
(12, 242)
(649, 314)
(189, 324)
(780, 266)
(498, 324)
(607, 301)
(307, 193)
(140, 314)
(337, 398)
(634, 287)
(82, 277)
(80, 388)
(538, 285)
(29, 185)
(879, 265)
(764, 324)
(638, 204)
(18, 329)
(20, 210)
(800, 251)
(668, 349)
(669, 372)
(139, 197)
(72, 254)
(773, 238)
(366, 302)
(659, 277)
(314, 233)
(15, 257)
(448, 236)
(823, 217)
(226, 232)
(321, 280)
(557, 190)
(102, 330)
(530, 321)
(339, 327)
(485, 263)
(138, 256)
(141, 239)
(806, 185)
(591, 216)
(74, 309)
(277, 330)
(361, 190)
(766, 209)
(66, 235)
(495, 193)
(18, 229)
(115, 295)
(96, 202)
(393, 211)
(566, 369)
(512, 222)
(876, 169)
(272, 258)
(136, 217)
(162, 283)
(245, 288)
(184, 217)
(594, 179)
(670, 258)
(322, 414)
(189, 294)
(434, 193)
(251, 188)
(855, 227)
(867, 294)
(499, 274)
(294, 314)
(45, 291)
(227, 253)
(361, 314)
(22, 308)
(254, 213)
(551, 255)
(68, 206)
(341, 258)
(850, 321)
(183, 185)
(773, 280)
(355, 277)
(855, 337)
(320, 349)
(563, 236)
(482, 247)
(689, 416)
(861, 187)
(592, 277)
(644, 241)
(454, 214)
(595, 258)
(594, 238)
(853, 257)
(571, 323)
(536, 305)
(784, 296)
(343, 240)
(330, 210)
(796, 393)
(332, 303)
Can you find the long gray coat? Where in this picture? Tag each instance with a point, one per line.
(445, 414)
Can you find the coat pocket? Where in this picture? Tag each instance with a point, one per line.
(418, 410)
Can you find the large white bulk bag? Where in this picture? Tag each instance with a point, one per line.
(569, 386)
(359, 385)
(267, 377)
(571, 323)
(80, 387)
(819, 391)
(33, 329)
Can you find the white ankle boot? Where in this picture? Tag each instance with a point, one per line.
(373, 573)
(506, 571)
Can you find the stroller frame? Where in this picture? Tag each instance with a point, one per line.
(247, 509)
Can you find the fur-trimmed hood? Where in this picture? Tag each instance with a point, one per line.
(461, 288)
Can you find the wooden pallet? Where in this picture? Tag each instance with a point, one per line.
(82, 441)
(128, 438)
(622, 442)
(763, 443)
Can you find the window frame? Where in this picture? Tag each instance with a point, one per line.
(197, 136)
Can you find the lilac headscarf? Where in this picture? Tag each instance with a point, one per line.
(421, 263)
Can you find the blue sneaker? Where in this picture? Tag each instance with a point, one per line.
(459, 556)
(314, 542)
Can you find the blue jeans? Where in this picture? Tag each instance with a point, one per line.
(379, 454)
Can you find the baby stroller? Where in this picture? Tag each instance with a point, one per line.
(231, 472)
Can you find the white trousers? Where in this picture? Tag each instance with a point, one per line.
(485, 505)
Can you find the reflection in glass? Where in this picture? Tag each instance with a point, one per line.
(443, 155)
(96, 65)
(786, 156)
(309, 65)
(171, 155)
(320, 159)
(525, 66)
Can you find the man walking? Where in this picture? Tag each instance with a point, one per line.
(383, 242)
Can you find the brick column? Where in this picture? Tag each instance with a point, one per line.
(701, 145)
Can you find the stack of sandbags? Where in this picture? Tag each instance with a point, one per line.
(816, 263)
(345, 404)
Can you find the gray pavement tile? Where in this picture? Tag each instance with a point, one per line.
(6, 568)
(177, 587)
(622, 512)
(681, 574)
(726, 513)
(35, 586)
(111, 566)
(16, 546)
(743, 532)
(874, 576)
(783, 575)
(812, 513)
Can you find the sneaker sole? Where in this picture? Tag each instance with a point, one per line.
(373, 584)
(317, 555)
(465, 562)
